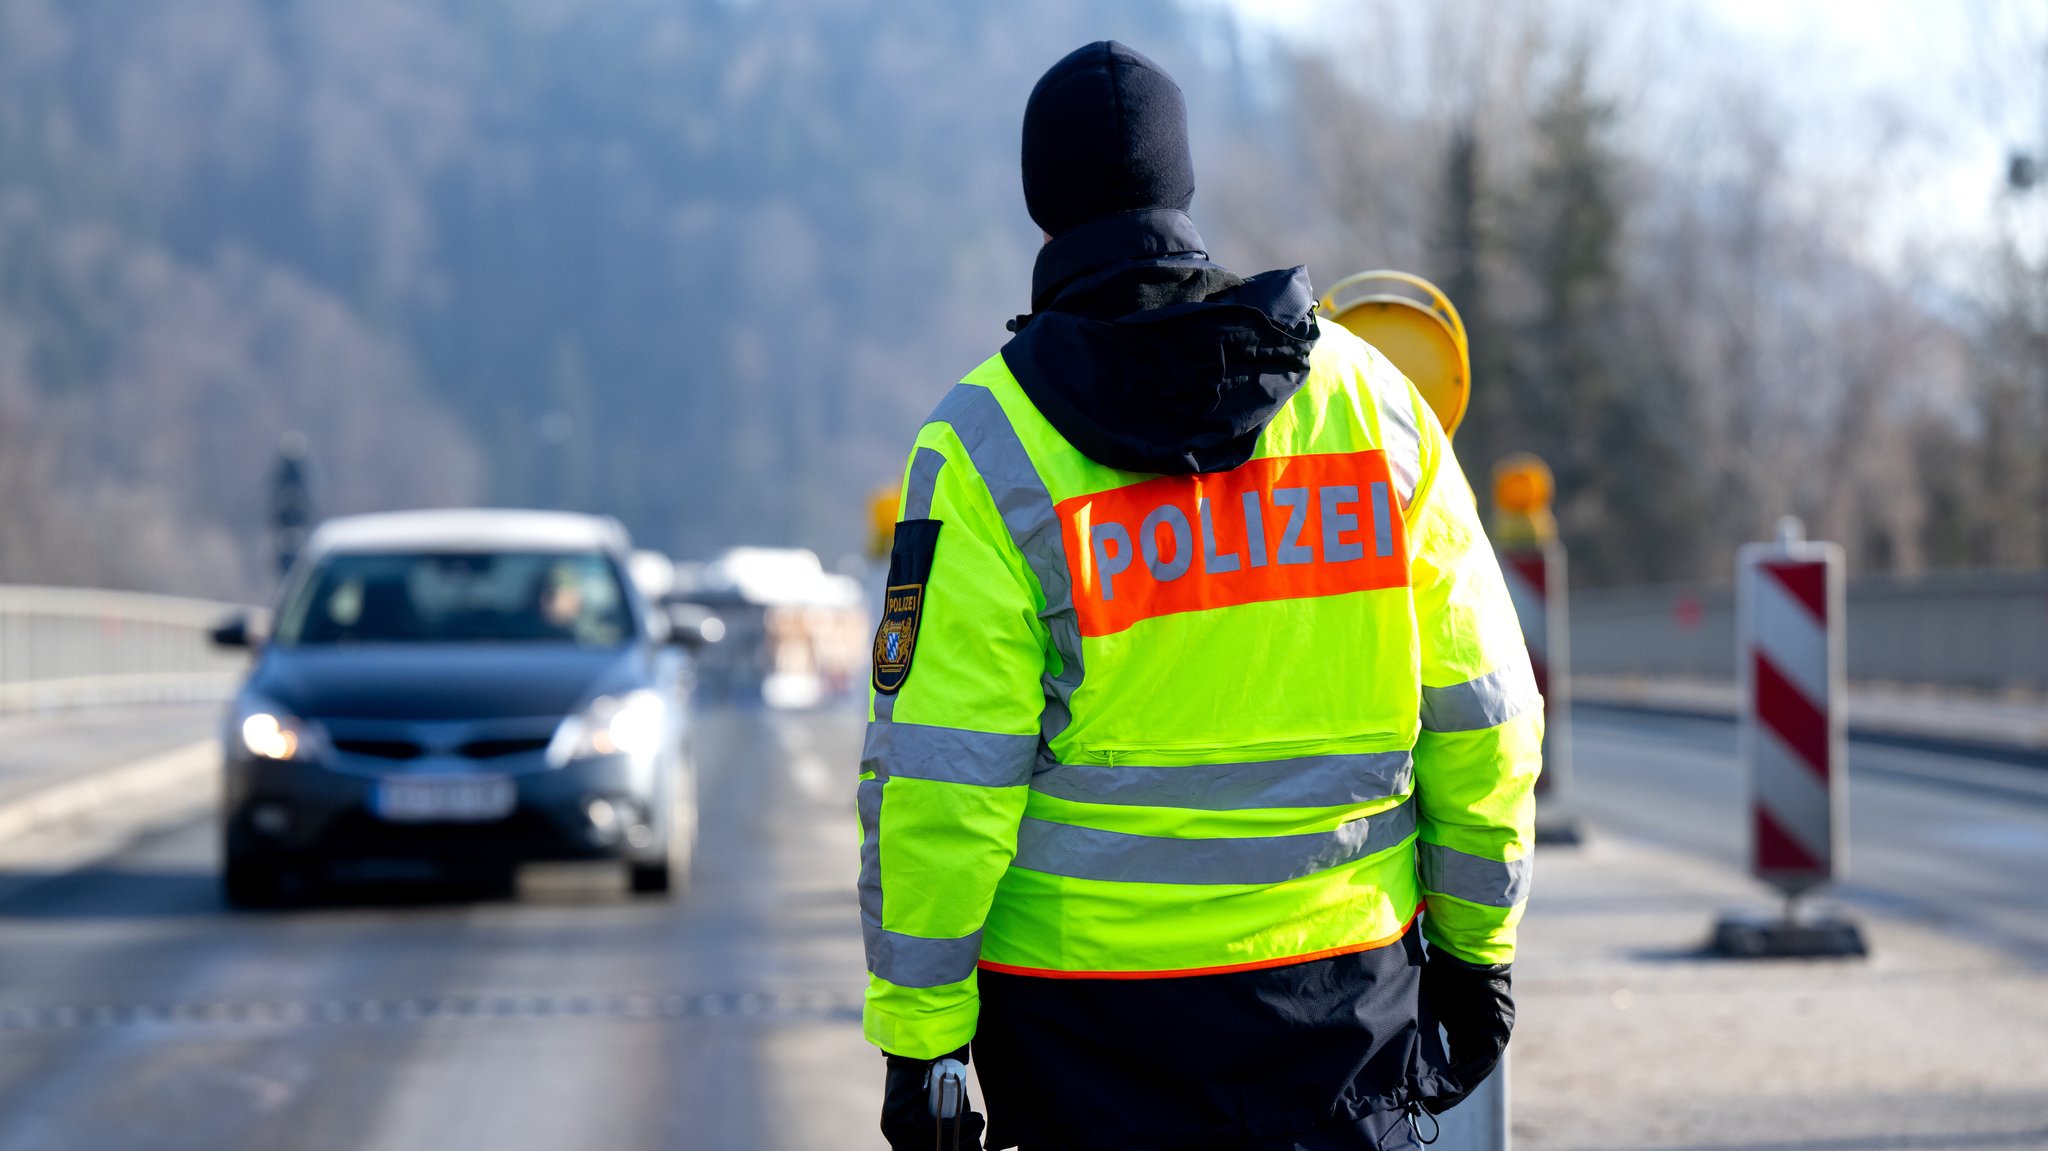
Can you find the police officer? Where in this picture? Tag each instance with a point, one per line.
(1197, 785)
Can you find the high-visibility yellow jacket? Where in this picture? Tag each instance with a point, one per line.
(1139, 726)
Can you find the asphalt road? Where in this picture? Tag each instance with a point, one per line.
(136, 1012)
(1951, 840)
(1630, 1038)
(40, 748)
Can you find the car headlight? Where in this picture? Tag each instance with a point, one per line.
(270, 732)
(630, 724)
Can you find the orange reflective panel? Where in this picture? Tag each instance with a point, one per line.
(1289, 527)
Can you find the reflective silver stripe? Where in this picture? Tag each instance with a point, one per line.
(1399, 434)
(1489, 701)
(1312, 781)
(1471, 878)
(868, 799)
(924, 476)
(910, 960)
(1091, 853)
(948, 754)
(914, 961)
(977, 417)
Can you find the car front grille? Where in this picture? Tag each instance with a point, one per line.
(400, 742)
(400, 749)
(494, 748)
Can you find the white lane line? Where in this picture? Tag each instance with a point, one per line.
(180, 773)
(836, 1005)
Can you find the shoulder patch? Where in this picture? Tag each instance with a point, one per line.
(910, 566)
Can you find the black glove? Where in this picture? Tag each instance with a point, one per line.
(1472, 1003)
(907, 1121)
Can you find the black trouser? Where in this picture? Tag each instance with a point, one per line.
(1193, 1063)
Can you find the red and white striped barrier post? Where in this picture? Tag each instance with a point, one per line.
(1536, 579)
(1533, 563)
(1790, 629)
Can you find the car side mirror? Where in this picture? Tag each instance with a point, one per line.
(692, 626)
(234, 632)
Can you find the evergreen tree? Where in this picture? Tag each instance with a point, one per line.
(1623, 493)
(1463, 245)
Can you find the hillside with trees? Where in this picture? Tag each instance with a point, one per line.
(704, 264)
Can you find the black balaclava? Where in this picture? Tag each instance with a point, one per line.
(1141, 351)
(1105, 131)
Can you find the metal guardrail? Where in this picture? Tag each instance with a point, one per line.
(1980, 631)
(64, 647)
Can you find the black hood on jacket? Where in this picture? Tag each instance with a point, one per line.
(1149, 358)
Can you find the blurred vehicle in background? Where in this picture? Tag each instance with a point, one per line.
(653, 574)
(449, 694)
(796, 635)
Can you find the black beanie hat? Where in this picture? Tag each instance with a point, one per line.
(1105, 131)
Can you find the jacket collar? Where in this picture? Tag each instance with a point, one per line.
(1146, 234)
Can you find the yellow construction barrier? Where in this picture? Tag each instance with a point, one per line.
(1423, 337)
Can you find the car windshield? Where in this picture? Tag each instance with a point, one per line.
(459, 597)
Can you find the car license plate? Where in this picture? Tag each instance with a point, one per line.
(456, 799)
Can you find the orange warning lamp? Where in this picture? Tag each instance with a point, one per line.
(882, 520)
(1522, 484)
(1522, 490)
(1422, 336)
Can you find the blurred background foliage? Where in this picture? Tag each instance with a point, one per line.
(705, 264)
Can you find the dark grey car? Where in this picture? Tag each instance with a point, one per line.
(452, 694)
